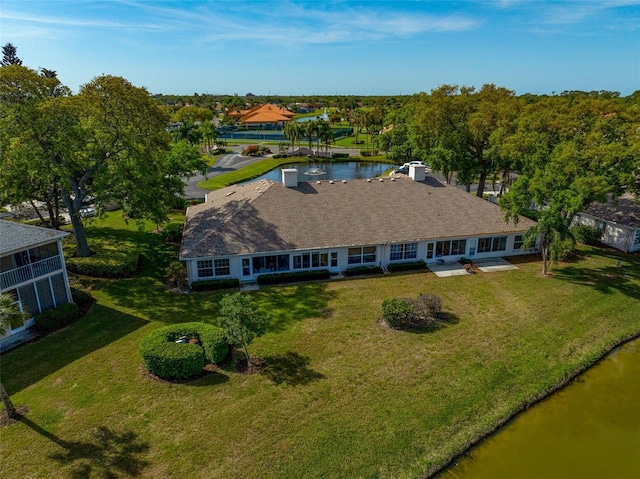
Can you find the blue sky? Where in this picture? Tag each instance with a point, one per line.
(331, 47)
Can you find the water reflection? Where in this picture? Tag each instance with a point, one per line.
(349, 170)
(590, 429)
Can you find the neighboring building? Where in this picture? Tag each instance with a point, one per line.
(244, 231)
(32, 269)
(267, 114)
(618, 220)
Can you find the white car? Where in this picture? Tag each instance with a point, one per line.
(87, 211)
(415, 162)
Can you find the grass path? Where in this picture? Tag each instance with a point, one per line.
(341, 396)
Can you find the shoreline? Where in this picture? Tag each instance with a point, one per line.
(538, 398)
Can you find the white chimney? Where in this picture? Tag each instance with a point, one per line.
(290, 177)
(416, 172)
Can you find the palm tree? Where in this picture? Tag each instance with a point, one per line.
(292, 132)
(309, 129)
(325, 134)
(10, 316)
(209, 133)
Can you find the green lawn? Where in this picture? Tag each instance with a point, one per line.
(341, 396)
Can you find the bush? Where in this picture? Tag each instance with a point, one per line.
(397, 313)
(173, 232)
(215, 284)
(407, 312)
(81, 298)
(167, 359)
(586, 234)
(107, 260)
(408, 266)
(280, 155)
(363, 270)
(340, 155)
(56, 318)
(293, 277)
(365, 153)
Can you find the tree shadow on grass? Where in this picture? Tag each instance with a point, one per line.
(32, 362)
(109, 454)
(290, 368)
(288, 304)
(621, 273)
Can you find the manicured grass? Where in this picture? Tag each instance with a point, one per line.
(341, 396)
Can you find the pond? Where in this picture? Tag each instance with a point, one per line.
(349, 170)
(589, 429)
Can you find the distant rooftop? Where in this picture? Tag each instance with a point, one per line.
(624, 211)
(17, 236)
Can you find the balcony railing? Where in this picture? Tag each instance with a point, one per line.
(25, 273)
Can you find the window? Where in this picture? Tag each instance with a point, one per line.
(403, 251)
(270, 264)
(334, 259)
(364, 254)
(317, 259)
(28, 299)
(246, 266)
(205, 268)
(59, 289)
(636, 240)
(496, 243)
(430, 247)
(518, 241)
(450, 247)
(221, 267)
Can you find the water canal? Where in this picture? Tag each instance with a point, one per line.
(589, 429)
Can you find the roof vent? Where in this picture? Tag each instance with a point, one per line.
(290, 177)
(393, 179)
(330, 182)
(381, 180)
(416, 172)
(344, 181)
(230, 193)
(368, 180)
(317, 182)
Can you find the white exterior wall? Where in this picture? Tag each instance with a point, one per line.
(63, 269)
(613, 234)
(383, 254)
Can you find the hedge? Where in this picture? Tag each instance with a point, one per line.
(586, 234)
(81, 297)
(167, 359)
(215, 284)
(363, 270)
(408, 266)
(56, 318)
(108, 259)
(340, 155)
(293, 277)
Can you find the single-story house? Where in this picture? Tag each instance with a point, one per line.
(618, 220)
(243, 231)
(32, 269)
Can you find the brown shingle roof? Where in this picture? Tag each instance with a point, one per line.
(266, 216)
(626, 211)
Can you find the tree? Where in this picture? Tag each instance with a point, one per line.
(106, 144)
(573, 152)
(9, 55)
(241, 320)
(10, 316)
(456, 129)
(209, 133)
(292, 132)
(309, 130)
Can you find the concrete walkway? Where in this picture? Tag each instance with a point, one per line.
(494, 264)
(489, 265)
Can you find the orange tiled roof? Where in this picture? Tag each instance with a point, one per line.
(267, 113)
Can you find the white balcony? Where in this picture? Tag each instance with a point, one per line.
(31, 271)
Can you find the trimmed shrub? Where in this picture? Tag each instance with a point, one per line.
(365, 153)
(215, 284)
(408, 313)
(293, 277)
(56, 318)
(81, 298)
(408, 266)
(108, 259)
(586, 234)
(340, 155)
(172, 232)
(397, 313)
(363, 270)
(167, 359)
